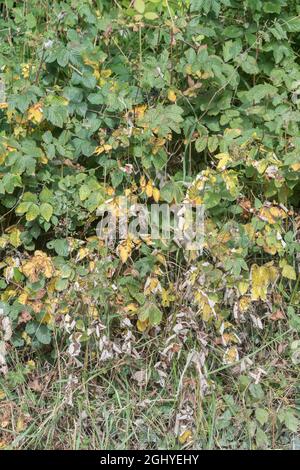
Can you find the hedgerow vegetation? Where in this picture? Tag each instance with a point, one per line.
(145, 344)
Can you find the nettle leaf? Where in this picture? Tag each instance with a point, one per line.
(249, 65)
(57, 115)
(233, 32)
(164, 119)
(259, 92)
(171, 191)
(231, 49)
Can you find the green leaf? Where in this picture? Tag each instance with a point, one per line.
(155, 315)
(57, 115)
(23, 207)
(117, 178)
(231, 49)
(152, 313)
(261, 439)
(46, 211)
(290, 420)
(60, 245)
(212, 143)
(259, 92)
(43, 334)
(151, 15)
(249, 65)
(61, 284)
(164, 119)
(139, 6)
(201, 143)
(261, 415)
(46, 195)
(272, 7)
(84, 192)
(211, 199)
(171, 191)
(32, 212)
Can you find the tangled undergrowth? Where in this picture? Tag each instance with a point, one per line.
(194, 101)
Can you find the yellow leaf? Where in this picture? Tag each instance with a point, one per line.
(243, 287)
(231, 355)
(23, 298)
(35, 113)
(93, 311)
(131, 308)
(102, 148)
(289, 272)
(185, 436)
(92, 63)
(224, 159)
(296, 166)
(161, 259)
(231, 181)
(244, 303)
(3, 241)
(31, 364)
(2, 395)
(261, 277)
(142, 325)
(125, 249)
(171, 96)
(143, 182)
(40, 263)
(26, 337)
(272, 214)
(156, 194)
(43, 159)
(25, 70)
(14, 237)
(109, 190)
(3, 105)
(92, 266)
(152, 286)
(149, 188)
(139, 111)
(82, 253)
(167, 296)
(20, 424)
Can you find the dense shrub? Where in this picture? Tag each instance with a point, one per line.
(159, 101)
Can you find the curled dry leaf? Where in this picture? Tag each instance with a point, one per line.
(40, 263)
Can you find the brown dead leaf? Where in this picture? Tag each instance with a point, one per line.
(35, 385)
(24, 317)
(278, 315)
